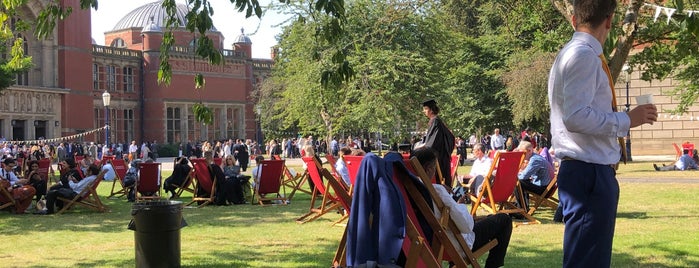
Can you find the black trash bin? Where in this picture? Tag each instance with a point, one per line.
(157, 233)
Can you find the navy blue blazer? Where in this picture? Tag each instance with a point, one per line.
(376, 226)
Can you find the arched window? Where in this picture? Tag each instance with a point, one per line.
(118, 43)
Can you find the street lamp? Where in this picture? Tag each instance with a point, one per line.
(258, 134)
(106, 99)
(627, 71)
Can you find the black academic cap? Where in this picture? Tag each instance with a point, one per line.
(430, 103)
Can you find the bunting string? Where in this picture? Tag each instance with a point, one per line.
(667, 11)
(61, 139)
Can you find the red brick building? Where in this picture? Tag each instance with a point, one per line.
(62, 94)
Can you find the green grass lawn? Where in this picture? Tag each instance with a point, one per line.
(656, 227)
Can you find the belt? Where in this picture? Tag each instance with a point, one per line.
(566, 158)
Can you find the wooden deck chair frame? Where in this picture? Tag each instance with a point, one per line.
(186, 185)
(271, 177)
(328, 203)
(88, 197)
(678, 151)
(498, 197)
(295, 182)
(120, 169)
(148, 181)
(447, 223)
(441, 244)
(548, 197)
(203, 177)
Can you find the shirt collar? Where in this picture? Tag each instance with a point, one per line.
(589, 40)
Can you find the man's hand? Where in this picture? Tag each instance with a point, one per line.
(643, 114)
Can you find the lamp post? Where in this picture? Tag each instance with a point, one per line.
(106, 99)
(258, 134)
(627, 71)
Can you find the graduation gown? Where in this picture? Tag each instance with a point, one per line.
(440, 138)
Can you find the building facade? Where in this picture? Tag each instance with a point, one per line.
(62, 94)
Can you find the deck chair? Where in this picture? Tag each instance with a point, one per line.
(147, 187)
(415, 247)
(446, 222)
(352, 162)
(329, 201)
(120, 170)
(87, 198)
(678, 151)
(294, 182)
(548, 197)
(205, 181)
(44, 166)
(79, 158)
(186, 185)
(218, 161)
(270, 175)
(454, 167)
(498, 196)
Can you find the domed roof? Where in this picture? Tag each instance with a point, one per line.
(143, 15)
(242, 38)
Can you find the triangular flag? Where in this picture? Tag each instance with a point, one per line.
(669, 12)
(657, 13)
(689, 13)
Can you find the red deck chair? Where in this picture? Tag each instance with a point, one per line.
(497, 197)
(442, 245)
(87, 198)
(329, 203)
(218, 161)
(106, 158)
(678, 151)
(205, 181)
(147, 186)
(79, 158)
(44, 166)
(120, 169)
(271, 175)
(186, 185)
(352, 162)
(454, 167)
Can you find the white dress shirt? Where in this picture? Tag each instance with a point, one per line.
(583, 125)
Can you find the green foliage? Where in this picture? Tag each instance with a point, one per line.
(12, 38)
(202, 113)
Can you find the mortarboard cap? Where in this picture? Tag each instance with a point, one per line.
(429, 102)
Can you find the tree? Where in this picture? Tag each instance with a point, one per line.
(12, 31)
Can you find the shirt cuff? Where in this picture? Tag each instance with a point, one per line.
(623, 124)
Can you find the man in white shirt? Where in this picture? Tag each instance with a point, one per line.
(497, 141)
(585, 127)
(76, 187)
(133, 148)
(480, 168)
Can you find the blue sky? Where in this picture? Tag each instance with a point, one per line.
(262, 32)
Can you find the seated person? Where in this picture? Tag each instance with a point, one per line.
(75, 188)
(85, 163)
(35, 180)
(68, 169)
(180, 171)
(231, 171)
(111, 174)
(476, 235)
(227, 191)
(257, 170)
(685, 162)
(130, 179)
(536, 175)
(480, 168)
(20, 189)
(340, 165)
